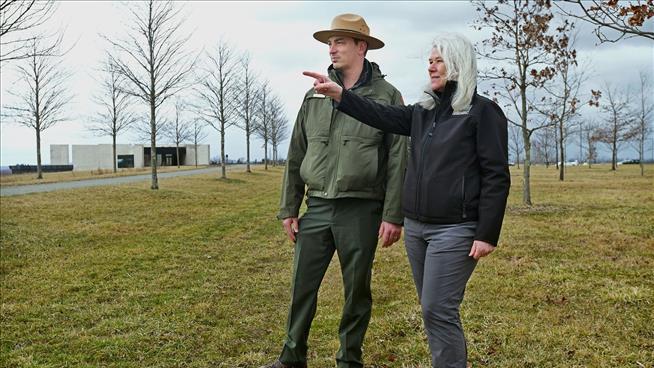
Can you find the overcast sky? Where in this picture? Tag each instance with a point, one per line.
(278, 37)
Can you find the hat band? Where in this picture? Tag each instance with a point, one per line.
(349, 30)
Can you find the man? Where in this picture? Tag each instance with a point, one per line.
(353, 177)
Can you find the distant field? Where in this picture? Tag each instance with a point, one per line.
(30, 178)
(197, 275)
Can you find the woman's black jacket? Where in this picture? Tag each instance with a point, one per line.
(458, 163)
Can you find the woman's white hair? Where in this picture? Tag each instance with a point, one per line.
(461, 66)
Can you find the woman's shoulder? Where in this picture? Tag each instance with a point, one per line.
(486, 107)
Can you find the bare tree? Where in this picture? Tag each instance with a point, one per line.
(42, 104)
(153, 59)
(218, 93)
(143, 129)
(643, 118)
(18, 21)
(115, 116)
(179, 130)
(521, 49)
(615, 20)
(263, 128)
(278, 128)
(247, 104)
(561, 102)
(591, 134)
(545, 144)
(198, 135)
(618, 123)
(516, 144)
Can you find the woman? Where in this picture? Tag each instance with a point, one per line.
(456, 184)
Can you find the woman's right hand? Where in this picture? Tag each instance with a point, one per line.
(325, 86)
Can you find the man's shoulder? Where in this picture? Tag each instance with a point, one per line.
(384, 90)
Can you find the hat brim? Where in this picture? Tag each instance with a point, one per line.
(373, 43)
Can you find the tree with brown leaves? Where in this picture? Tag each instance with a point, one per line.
(522, 47)
(615, 20)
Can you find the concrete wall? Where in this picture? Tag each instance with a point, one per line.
(99, 156)
(203, 154)
(59, 154)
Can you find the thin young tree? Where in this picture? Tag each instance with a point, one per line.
(614, 20)
(179, 130)
(545, 143)
(515, 143)
(561, 102)
(279, 131)
(42, 103)
(643, 112)
(592, 137)
(263, 118)
(115, 115)
(198, 134)
(217, 91)
(521, 47)
(154, 60)
(247, 104)
(19, 19)
(618, 123)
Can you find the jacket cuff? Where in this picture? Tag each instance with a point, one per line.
(286, 213)
(397, 220)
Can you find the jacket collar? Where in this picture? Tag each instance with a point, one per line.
(369, 72)
(445, 95)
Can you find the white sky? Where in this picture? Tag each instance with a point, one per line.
(278, 36)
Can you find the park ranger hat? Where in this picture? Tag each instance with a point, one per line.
(349, 25)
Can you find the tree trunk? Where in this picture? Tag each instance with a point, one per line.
(223, 173)
(265, 154)
(614, 155)
(641, 154)
(113, 140)
(196, 155)
(39, 174)
(526, 190)
(562, 148)
(177, 153)
(247, 143)
(153, 147)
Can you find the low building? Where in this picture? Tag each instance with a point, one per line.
(99, 156)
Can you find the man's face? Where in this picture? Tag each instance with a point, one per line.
(344, 52)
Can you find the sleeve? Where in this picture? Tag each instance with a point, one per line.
(397, 157)
(493, 153)
(293, 187)
(393, 119)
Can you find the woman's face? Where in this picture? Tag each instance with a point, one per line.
(437, 71)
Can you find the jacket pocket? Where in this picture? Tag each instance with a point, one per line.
(443, 198)
(314, 164)
(358, 163)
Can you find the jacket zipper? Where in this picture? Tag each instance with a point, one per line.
(422, 163)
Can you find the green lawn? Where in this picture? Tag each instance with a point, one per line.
(197, 275)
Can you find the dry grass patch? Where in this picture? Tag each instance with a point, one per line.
(197, 275)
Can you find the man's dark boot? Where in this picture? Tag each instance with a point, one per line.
(278, 364)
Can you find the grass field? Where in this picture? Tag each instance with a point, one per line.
(30, 178)
(197, 275)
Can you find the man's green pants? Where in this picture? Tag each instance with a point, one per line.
(348, 226)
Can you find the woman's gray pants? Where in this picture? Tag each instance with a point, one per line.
(438, 254)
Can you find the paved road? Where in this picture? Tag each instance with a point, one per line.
(36, 188)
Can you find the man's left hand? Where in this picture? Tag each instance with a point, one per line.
(389, 233)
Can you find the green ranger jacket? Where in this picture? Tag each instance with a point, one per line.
(335, 156)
